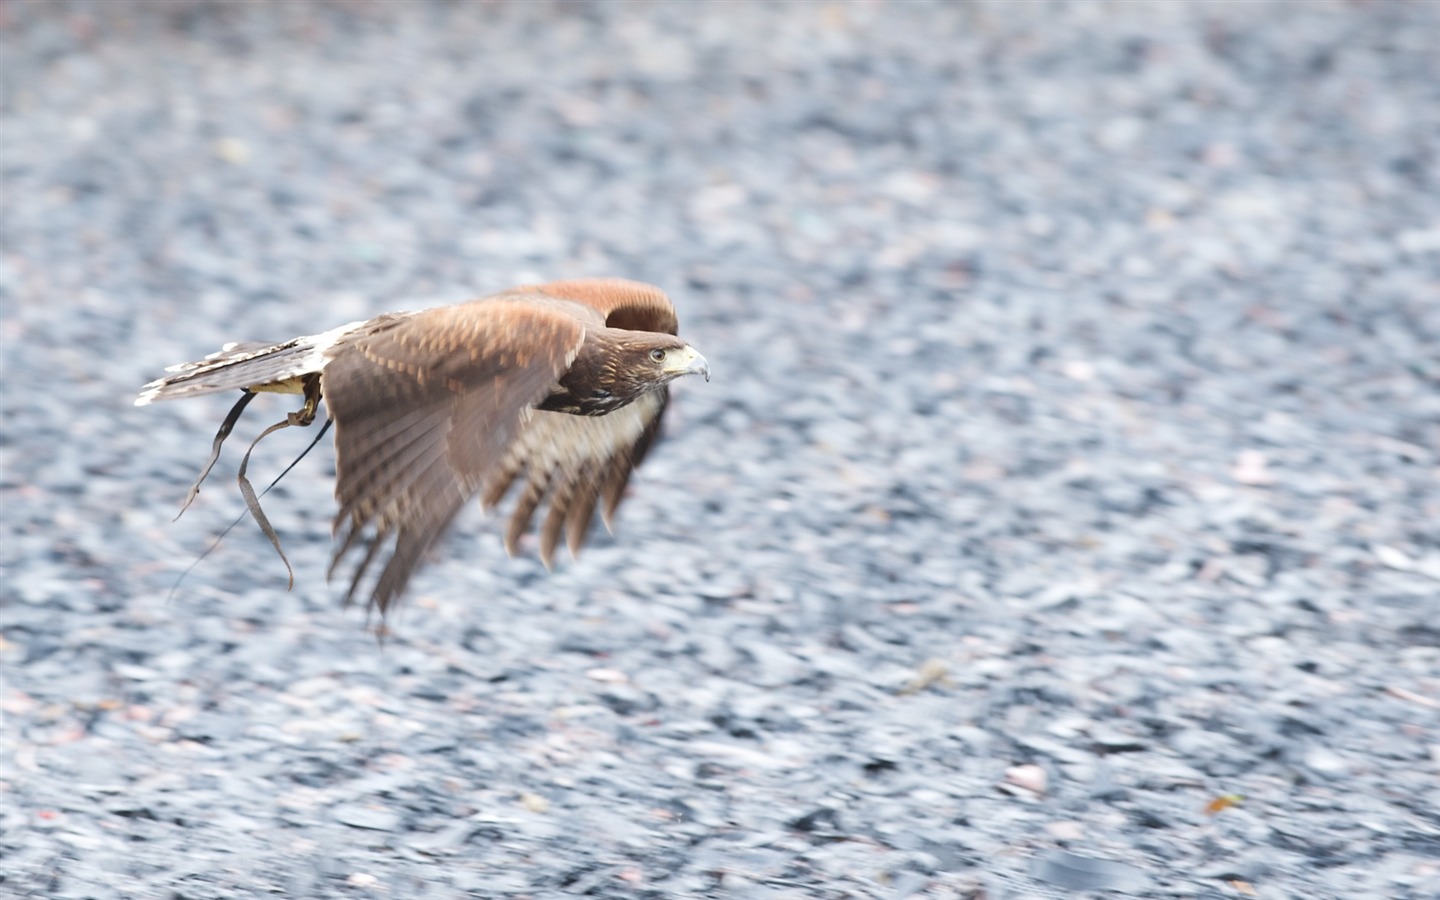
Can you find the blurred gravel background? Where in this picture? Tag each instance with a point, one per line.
(1070, 461)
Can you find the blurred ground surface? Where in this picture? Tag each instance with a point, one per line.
(1070, 461)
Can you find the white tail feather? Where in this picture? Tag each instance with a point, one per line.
(253, 365)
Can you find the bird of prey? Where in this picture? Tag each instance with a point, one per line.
(558, 386)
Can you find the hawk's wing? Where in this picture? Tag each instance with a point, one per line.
(577, 461)
(632, 305)
(426, 410)
(431, 408)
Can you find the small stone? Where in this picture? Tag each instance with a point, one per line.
(1085, 873)
(1326, 762)
(1029, 778)
(367, 817)
(1393, 558)
(1251, 467)
(1109, 741)
(233, 151)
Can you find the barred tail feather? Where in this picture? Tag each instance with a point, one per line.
(253, 365)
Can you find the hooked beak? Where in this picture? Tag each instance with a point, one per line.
(689, 362)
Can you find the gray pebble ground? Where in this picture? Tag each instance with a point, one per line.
(1070, 460)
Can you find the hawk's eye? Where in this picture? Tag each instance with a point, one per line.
(657, 354)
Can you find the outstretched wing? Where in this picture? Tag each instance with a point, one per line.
(632, 305)
(426, 411)
(578, 461)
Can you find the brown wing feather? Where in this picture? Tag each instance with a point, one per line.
(426, 409)
(575, 461)
(632, 305)
(617, 475)
(599, 453)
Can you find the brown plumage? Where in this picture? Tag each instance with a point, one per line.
(559, 387)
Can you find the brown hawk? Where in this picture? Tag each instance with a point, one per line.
(559, 386)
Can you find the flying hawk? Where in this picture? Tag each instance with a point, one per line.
(559, 386)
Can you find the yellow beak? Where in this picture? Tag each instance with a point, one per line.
(687, 362)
